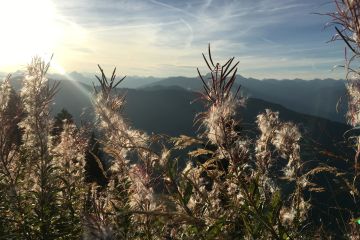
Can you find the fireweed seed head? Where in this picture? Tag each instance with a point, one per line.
(218, 120)
(287, 216)
(353, 90)
(141, 193)
(5, 93)
(69, 153)
(267, 122)
(286, 138)
(164, 157)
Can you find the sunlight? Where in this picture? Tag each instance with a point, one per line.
(28, 28)
(56, 67)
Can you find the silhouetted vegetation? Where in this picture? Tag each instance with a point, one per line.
(272, 179)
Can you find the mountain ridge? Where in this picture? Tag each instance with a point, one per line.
(147, 107)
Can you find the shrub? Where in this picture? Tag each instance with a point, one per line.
(233, 186)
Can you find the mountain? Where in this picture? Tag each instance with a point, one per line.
(188, 83)
(88, 78)
(136, 81)
(171, 110)
(316, 97)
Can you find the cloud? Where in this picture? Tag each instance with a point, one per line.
(147, 36)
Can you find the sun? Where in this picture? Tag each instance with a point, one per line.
(28, 28)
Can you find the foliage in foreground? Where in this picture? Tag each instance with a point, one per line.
(232, 187)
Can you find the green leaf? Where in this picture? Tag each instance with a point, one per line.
(188, 192)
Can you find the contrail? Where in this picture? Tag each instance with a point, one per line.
(175, 8)
(191, 36)
(150, 25)
(207, 4)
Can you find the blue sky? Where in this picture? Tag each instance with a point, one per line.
(271, 38)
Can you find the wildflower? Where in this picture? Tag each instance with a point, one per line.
(287, 216)
(165, 154)
(267, 122)
(286, 138)
(141, 194)
(5, 93)
(193, 173)
(289, 172)
(217, 116)
(36, 95)
(69, 154)
(303, 208)
(218, 119)
(283, 136)
(189, 166)
(353, 90)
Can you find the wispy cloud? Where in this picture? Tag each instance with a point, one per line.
(272, 38)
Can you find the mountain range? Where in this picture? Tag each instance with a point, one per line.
(171, 109)
(318, 97)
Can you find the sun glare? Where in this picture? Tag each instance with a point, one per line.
(27, 28)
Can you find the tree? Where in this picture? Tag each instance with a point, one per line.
(62, 116)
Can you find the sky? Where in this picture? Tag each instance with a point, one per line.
(271, 38)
